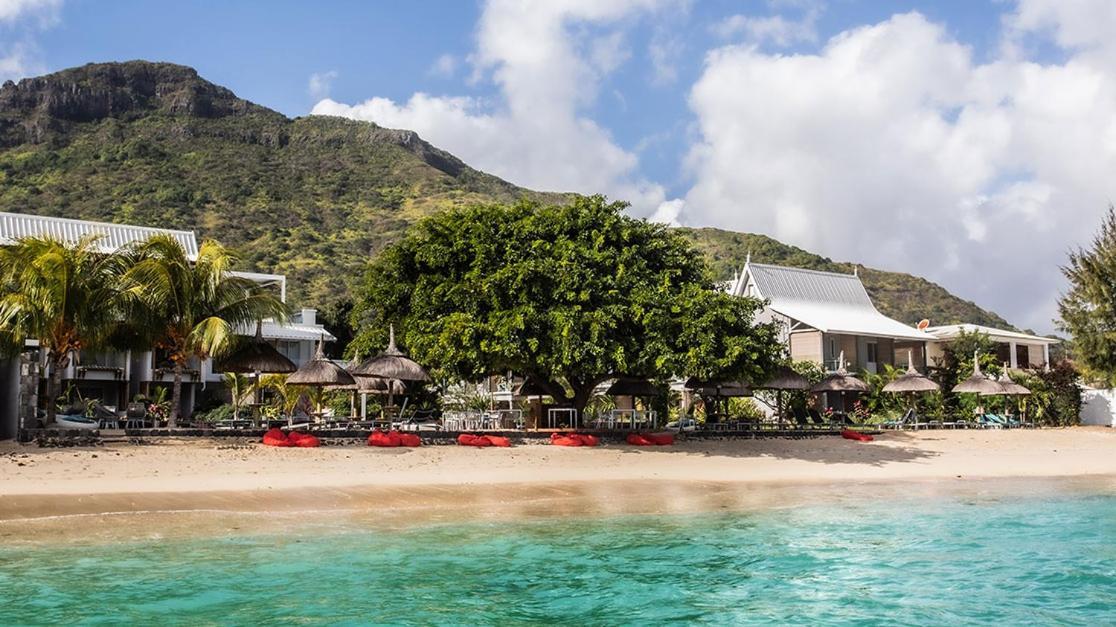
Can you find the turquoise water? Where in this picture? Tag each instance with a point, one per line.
(1038, 560)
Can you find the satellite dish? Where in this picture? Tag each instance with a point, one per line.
(922, 324)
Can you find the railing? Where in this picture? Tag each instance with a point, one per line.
(558, 416)
(499, 419)
(627, 419)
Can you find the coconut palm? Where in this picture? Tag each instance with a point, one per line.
(192, 309)
(240, 387)
(66, 296)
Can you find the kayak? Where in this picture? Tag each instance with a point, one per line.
(562, 439)
(660, 439)
(849, 434)
(390, 439)
(303, 440)
(472, 439)
(276, 437)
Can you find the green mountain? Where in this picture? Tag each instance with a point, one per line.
(154, 144)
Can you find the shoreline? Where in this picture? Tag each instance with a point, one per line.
(191, 487)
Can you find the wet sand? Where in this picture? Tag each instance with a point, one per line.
(206, 486)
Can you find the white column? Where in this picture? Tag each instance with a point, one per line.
(1046, 357)
(1011, 352)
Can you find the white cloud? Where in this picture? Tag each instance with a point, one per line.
(664, 50)
(444, 66)
(778, 30)
(320, 84)
(547, 60)
(45, 10)
(892, 146)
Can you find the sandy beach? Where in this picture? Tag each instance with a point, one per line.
(181, 476)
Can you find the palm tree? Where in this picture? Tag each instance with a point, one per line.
(192, 309)
(239, 386)
(66, 296)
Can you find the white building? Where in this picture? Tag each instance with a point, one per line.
(115, 377)
(824, 314)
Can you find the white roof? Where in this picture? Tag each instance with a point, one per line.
(826, 301)
(950, 331)
(272, 330)
(14, 226)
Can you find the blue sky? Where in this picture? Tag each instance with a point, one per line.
(931, 137)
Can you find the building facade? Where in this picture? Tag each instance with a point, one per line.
(116, 377)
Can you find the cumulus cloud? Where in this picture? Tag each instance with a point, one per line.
(547, 60)
(444, 66)
(320, 84)
(892, 146)
(44, 10)
(778, 30)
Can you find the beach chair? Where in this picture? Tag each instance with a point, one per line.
(991, 421)
(135, 417)
(907, 420)
(817, 419)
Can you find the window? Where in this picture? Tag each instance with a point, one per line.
(873, 352)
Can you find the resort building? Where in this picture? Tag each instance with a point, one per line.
(825, 314)
(115, 377)
(1017, 350)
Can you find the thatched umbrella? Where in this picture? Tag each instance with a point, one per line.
(391, 364)
(978, 383)
(785, 379)
(1009, 387)
(840, 381)
(632, 386)
(369, 385)
(257, 357)
(719, 389)
(320, 372)
(911, 382)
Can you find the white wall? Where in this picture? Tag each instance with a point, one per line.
(1098, 407)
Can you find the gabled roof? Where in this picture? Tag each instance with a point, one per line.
(14, 226)
(950, 331)
(827, 301)
(272, 330)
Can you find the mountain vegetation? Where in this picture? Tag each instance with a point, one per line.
(313, 197)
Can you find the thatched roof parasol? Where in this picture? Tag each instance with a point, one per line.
(257, 356)
(391, 364)
(374, 385)
(978, 383)
(785, 378)
(718, 388)
(840, 381)
(632, 386)
(911, 381)
(320, 371)
(530, 387)
(1009, 387)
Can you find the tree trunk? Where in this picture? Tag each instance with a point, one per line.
(176, 396)
(54, 382)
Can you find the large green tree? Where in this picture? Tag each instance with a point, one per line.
(64, 295)
(192, 308)
(572, 295)
(1088, 308)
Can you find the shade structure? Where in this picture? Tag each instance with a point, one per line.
(840, 381)
(530, 387)
(257, 356)
(372, 385)
(725, 389)
(785, 378)
(320, 372)
(1009, 387)
(978, 383)
(391, 364)
(632, 386)
(911, 381)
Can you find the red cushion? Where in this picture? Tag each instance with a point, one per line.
(500, 441)
(379, 438)
(661, 439)
(410, 439)
(276, 437)
(636, 439)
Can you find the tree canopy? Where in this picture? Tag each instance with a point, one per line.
(1088, 309)
(572, 295)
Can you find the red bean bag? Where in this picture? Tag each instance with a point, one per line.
(499, 441)
(276, 437)
(660, 439)
(409, 439)
(471, 439)
(558, 439)
(636, 439)
(379, 438)
(303, 440)
(849, 434)
(587, 439)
